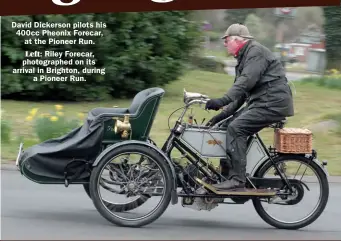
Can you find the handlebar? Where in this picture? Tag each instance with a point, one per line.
(199, 101)
(191, 98)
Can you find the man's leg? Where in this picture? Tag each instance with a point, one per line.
(248, 123)
(225, 163)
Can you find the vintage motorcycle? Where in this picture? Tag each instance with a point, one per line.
(110, 138)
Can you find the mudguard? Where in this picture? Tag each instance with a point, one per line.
(312, 156)
(142, 143)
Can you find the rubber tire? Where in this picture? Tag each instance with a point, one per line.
(137, 149)
(119, 207)
(128, 207)
(87, 189)
(325, 194)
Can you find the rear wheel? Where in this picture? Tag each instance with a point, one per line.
(137, 180)
(291, 200)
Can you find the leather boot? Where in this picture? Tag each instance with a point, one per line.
(229, 184)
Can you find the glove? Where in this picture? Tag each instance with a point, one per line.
(217, 118)
(214, 104)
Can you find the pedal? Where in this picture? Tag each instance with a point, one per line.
(238, 191)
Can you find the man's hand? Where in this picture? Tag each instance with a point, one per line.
(214, 104)
(217, 118)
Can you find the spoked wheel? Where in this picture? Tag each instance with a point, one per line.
(118, 207)
(299, 168)
(131, 171)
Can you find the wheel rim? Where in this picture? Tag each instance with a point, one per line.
(131, 185)
(289, 210)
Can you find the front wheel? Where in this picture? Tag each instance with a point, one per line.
(288, 206)
(120, 207)
(142, 172)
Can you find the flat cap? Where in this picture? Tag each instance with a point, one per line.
(237, 29)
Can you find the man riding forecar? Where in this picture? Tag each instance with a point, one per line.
(261, 83)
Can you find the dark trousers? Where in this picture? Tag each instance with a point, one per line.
(243, 124)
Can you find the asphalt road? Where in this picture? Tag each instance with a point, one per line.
(33, 211)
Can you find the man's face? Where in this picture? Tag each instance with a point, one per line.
(233, 44)
(226, 41)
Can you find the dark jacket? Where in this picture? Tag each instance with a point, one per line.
(260, 82)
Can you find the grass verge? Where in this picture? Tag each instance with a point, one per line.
(313, 104)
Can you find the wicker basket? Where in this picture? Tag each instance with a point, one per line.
(293, 140)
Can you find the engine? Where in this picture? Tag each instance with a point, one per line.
(198, 203)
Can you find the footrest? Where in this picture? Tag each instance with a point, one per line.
(238, 191)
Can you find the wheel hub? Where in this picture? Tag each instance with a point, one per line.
(131, 186)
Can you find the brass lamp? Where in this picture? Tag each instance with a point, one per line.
(123, 127)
